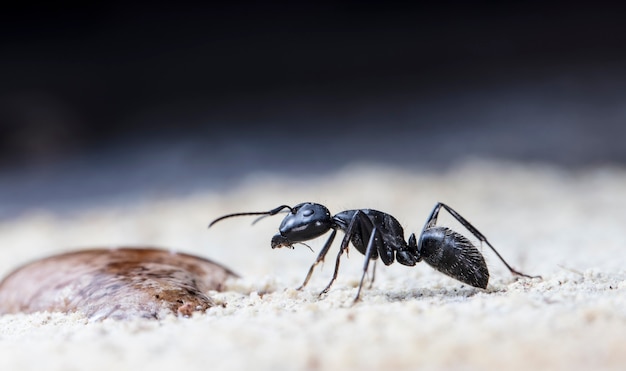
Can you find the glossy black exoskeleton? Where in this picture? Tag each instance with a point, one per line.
(379, 235)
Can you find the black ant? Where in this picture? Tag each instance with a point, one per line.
(376, 234)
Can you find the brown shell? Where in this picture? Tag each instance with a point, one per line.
(117, 283)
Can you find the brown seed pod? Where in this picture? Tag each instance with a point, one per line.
(117, 283)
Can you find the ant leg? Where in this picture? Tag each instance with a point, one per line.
(357, 218)
(433, 219)
(320, 258)
(368, 256)
(373, 275)
(342, 248)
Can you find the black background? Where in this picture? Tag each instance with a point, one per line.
(120, 99)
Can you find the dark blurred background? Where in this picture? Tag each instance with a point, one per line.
(110, 101)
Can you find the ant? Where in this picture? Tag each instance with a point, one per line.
(377, 234)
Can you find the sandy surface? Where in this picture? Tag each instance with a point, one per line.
(566, 226)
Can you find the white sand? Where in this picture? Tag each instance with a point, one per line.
(568, 227)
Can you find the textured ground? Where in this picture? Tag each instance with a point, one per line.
(566, 226)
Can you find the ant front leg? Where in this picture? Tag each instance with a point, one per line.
(320, 258)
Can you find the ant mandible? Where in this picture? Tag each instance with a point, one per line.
(377, 234)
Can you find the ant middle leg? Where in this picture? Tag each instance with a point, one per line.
(359, 219)
(373, 276)
(368, 256)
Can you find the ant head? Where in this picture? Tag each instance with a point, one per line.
(306, 221)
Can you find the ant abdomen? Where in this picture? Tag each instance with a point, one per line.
(454, 255)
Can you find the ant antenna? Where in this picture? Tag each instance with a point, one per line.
(262, 213)
(266, 215)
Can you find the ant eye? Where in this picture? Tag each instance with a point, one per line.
(308, 212)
